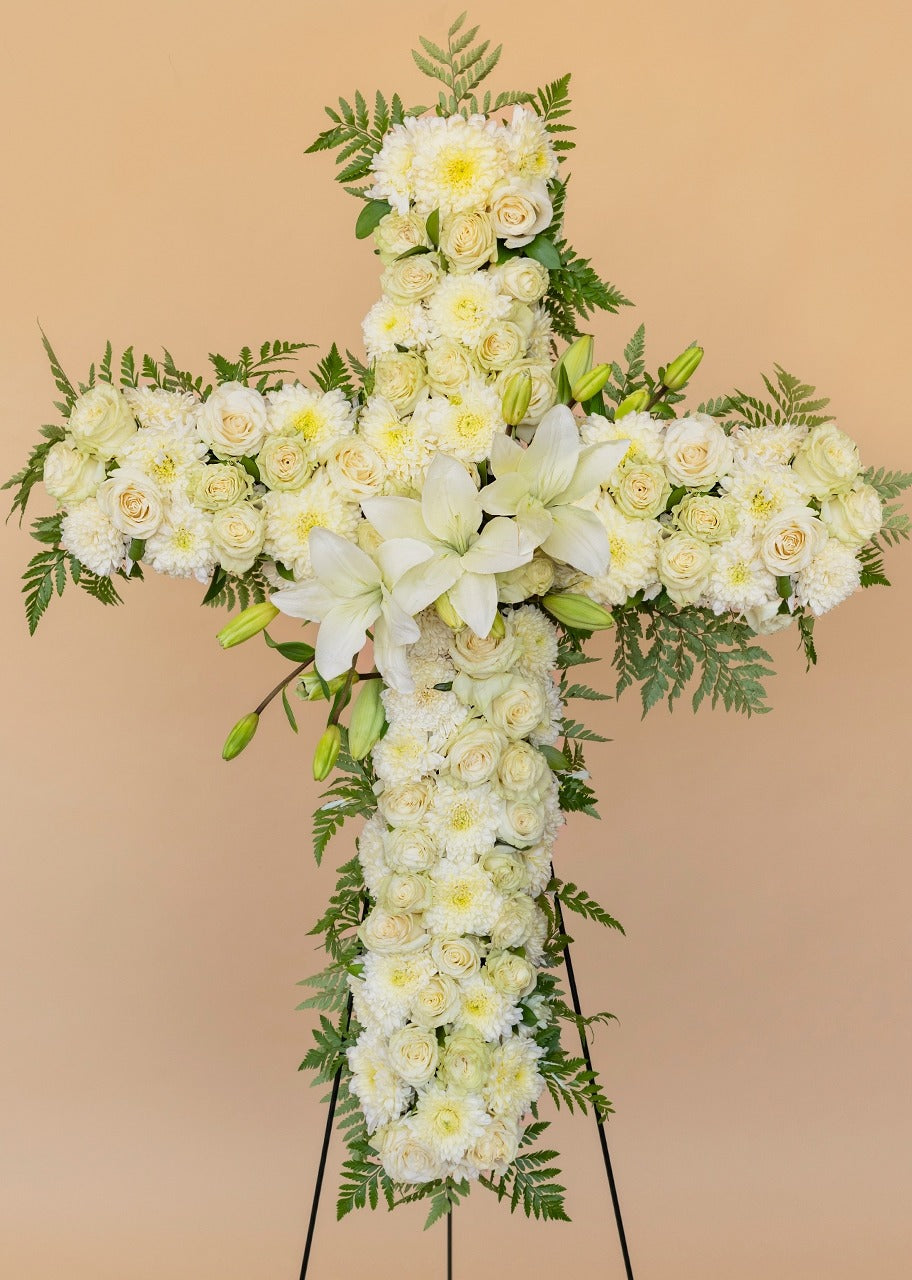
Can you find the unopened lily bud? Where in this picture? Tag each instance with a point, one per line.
(681, 370)
(240, 736)
(557, 761)
(447, 613)
(576, 360)
(498, 627)
(591, 383)
(327, 752)
(517, 396)
(248, 623)
(312, 688)
(367, 719)
(636, 402)
(578, 612)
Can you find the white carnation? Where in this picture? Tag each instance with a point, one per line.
(514, 1081)
(182, 546)
(464, 820)
(87, 533)
(381, 1091)
(390, 324)
(738, 578)
(485, 1009)
(448, 1121)
(831, 577)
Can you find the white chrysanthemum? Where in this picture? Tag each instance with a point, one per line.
(392, 165)
(372, 854)
(166, 455)
(514, 1081)
(449, 1121)
(463, 425)
(485, 1009)
(464, 820)
(87, 533)
(537, 639)
(390, 324)
(528, 148)
(634, 556)
(537, 863)
(762, 489)
(738, 578)
(159, 410)
(830, 578)
(769, 443)
(182, 545)
(644, 433)
(317, 419)
(463, 307)
(541, 335)
(383, 996)
(465, 901)
(456, 164)
(382, 1093)
(402, 754)
(291, 516)
(402, 443)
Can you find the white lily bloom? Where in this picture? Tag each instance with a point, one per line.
(539, 485)
(350, 593)
(460, 559)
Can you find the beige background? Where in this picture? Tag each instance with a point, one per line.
(742, 172)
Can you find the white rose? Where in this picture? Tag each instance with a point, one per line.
(456, 957)
(437, 1002)
(238, 534)
(71, 475)
(403, 1157)
(497, 1147)
(533, 579)
(523, 823)
(465, 1060)
(790, 540)
(519, 709)
(523, 770)
(544, 392)
(641, 490)
(410, 279)
(684, 566)
(481, 656)
(284, 463)
(474, 753)
(523, 279)
(468, 240)
(356, 468)
(396, 233)
(413, 1054)
(765, 619)
(697, 451)
(502, 344)
(101, 421)
(232, 421)
(132, 502)
(391, 932)
(400, 378)
(449, 366)
(516, 922)
(827, 461)
(706, 517)
(405, 804)
(410, 849)
(219, 484)
(853, 517)
(511, 974)
(405, 891)
(520, 210)
(506, 870)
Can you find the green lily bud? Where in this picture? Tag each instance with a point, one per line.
(578, 612)
(447, 613)
(591, 383)
(247, 624)
(681, 370)
(367, 719)
(327, 752)
(311, 686)
(576, 360)
(636, 402)
(557, 761)
(498, 627)
(240, 736)
(517, 395)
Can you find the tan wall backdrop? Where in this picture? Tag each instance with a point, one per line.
(743, 173)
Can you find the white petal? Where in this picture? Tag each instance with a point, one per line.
(534, 527)
(391, 660)
(450, 503)
(497, 549)
(396, 517)
(593, 469)
(422, 585)
(506, 454)
(502, 496)
(342, 634)
(551, 457)
(578, 539)
(474, 598)
(342, 567)
(310, 600)
(399, 555)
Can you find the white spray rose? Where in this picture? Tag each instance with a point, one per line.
(411, 279)
(132, 502)
(497, 1147)
(827, 461)
(765, 619)
(506, 869)
(519, 709)
(392, 932)
(684, 566)
(410, 849)
(510, 974)
(101, 421)
(517, 921)
(238, 534)
(706, 517)
(482, 656)
(853, 517)
(523, 822)
(465, 1060)
(520, 210)
(437, 1002)
(413, 1054)
(405, 891)
(533, 579)
(697, 451)
(405, 804)
(397, 233)
(356, 469)
(523, 770)
(70, 475)
(449, 366)
(219, 484)
(502, 344)
(467, 240)
(232, 421)
(403, 1156)
(473, 755)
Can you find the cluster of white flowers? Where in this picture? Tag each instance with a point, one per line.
(445, 1064)
(762, 521)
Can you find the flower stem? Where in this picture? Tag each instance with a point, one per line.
(282, 685)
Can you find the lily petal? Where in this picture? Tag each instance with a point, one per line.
(310, 600)
(399, 555)
(506, 455)
(594, 467)
(579, 539)
(391, 659)
(497, 549)
(395, 517)
(342, 634)
(341, 565)
(551, 458)
(474, 598)
(422, 585)
(502, 496)
(450, 503)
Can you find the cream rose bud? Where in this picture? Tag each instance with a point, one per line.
(697, 452)
(523, 770)
(400, 378)
(284, 463)
(506, 870)
(101, 422)
(641, 490)
(232, 421)
(410, 849)
(449, 366)
(356, 469)
(853, 517)
(403, 1157)
(502, 344)
(684, 567)
(523, 279)
(456, 957)
(544, 392)
(411, 279)
(519, 709)
(218, 484)
(405, 891)
(516, 922)
(483, 655)
(474, 753)
(467, 240)
(706, 517)
(71, 475)
(520, 210)
(511, 974)
(132, 502)
(413, 1054)
(533, 579)
(465, 1060)
(397, 233)
(437, 1002)
(764, 619)
(238, 534)
(790, 540)
(523, 823)
(827, 461)
(391, 932)
(497, 1147)
(406, 804)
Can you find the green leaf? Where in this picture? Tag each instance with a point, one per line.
(543, 250)
(289, 714)
(578, 900)
(293, 650)
(370, 216)
(433, 227)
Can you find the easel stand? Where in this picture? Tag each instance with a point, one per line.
(603, 1141)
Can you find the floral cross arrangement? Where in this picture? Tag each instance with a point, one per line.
(458, 514)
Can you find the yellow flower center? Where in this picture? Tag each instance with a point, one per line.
(465, 309)
(447, 1121)
(739, 573)
(183, 538)
(461, 818)
(470, 425)
(305, 522)
(619, 550)
(761, 504)
(164, 469)
(458, 171)
(461, 896)
(307, 422)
